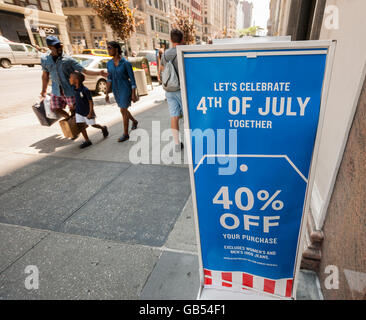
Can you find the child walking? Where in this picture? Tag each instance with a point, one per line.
(84, 111)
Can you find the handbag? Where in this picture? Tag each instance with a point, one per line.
(40, 112)
(137, 96)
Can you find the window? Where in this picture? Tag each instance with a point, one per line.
(140, 25)
(150, 56)
(43, 5)
(74, 23)
(162, 26)
(92, 22)
(138, 4)
(152, 23)
(31, 49)
(17, 47)
(83, 61)
(103, 64)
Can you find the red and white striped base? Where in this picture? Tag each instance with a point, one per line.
(242, 281)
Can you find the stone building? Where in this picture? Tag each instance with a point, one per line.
(231, 14)
(336, 233)
(219, 19)
(193, 8)
(158, 23)
(32, 21)
(247, 8)
(153, 18)
(85, 28)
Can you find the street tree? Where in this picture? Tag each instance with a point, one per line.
(117, 14)
(251, 31)
(185, 23)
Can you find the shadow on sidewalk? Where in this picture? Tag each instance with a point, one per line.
(97, 191)
(50, 144)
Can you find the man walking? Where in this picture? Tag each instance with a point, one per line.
(172, 95)
(59, 66)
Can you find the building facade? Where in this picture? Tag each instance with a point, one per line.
(31, 21)
(231, 15)
(158, 23)
(336, 230)
(213, 19)
(192, 8)
(85, 28)
(219, 19)
(247, 9)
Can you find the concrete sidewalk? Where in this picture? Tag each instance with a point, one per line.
(96, 225)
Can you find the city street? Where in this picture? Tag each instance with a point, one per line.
(18, 86)
(95, 225)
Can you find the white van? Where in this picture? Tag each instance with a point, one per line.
(12, 53)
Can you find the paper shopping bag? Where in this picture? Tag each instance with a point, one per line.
(70, 128)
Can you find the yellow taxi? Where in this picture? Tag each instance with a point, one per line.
(96, 52)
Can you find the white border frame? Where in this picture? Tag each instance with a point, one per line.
(298, 45)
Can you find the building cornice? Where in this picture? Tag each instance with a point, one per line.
(42, 15)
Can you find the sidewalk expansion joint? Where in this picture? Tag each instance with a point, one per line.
(26, 252)
(93, 196)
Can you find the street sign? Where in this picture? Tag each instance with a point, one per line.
(253, 116)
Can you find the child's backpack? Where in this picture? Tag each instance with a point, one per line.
(170, 78)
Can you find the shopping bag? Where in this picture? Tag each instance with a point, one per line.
(40, 112)
(47, 107)
(70, 128)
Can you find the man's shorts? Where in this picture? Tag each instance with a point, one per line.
(175, 103)
(60, 102)
(81, 119)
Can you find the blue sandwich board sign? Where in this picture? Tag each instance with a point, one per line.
(253, 114)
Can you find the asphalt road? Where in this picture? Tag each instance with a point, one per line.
(19, 89)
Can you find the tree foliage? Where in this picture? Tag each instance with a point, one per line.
(251, 31)
(117, 14)
(185, 23)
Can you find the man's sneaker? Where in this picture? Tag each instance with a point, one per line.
(105, 132)
(85, 144)
(179, 147)
(134, 125)
(124, 138)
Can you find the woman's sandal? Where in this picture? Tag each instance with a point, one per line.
(124, 138)
(134, 125)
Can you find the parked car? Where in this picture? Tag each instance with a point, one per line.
(96, 52)
(151, 57)
(12, 53)
(94, 83)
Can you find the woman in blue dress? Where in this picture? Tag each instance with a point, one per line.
(121, 81)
